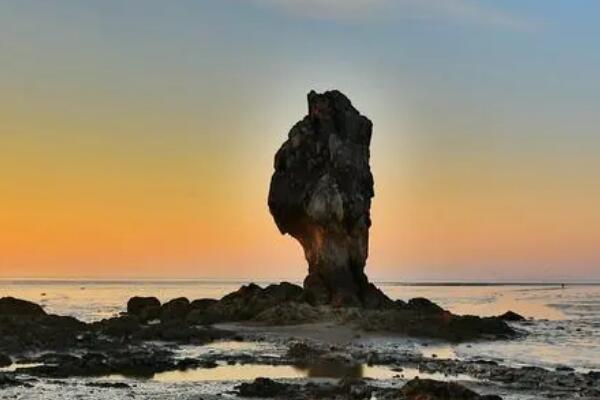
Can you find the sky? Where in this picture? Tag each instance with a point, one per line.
(137, 137)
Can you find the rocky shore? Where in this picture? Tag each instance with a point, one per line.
(146, 340)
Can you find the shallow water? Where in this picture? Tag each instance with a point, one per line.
(251, 371)
(565, 329)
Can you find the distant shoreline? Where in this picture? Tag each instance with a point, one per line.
(172, 281)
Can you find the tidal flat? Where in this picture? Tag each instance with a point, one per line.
(551, 356)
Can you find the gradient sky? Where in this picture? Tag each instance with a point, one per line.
(137, 137)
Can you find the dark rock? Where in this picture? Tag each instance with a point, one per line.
(202, 304)
(145, 308)
(18, 307)
(416, 322)
(175, 309)
(302, 351)
(5, 361)
(424, 305)
(248, 302)
(321, 194)
(134, 362)
(119, 326)
(564, 368)
(511, 316)
(290, 313)
(427, 389)
(8, 379)
(43, 332)
(111, 385)
(265, 387)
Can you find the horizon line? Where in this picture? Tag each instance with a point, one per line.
(408, 282)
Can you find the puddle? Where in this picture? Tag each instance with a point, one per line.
(248, 372)
(441, 351)
(14, 367)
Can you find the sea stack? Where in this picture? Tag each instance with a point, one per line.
(321, 194)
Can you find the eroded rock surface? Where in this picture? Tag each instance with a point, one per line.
(321, 194)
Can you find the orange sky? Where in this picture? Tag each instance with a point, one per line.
(139, 143)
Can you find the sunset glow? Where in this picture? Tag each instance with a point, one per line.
(140, 142)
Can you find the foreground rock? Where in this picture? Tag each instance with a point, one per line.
(427, 389)
(358, 389)
(321, 194)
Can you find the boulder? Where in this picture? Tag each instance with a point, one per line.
(177, 308)
(18, 307)
(123, 326)
(145, 308)
(202, 304)
(320, 194)
(265, 387)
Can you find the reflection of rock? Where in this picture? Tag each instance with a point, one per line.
(334, 365)
(321, 194)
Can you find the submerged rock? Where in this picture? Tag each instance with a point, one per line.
(321, 194)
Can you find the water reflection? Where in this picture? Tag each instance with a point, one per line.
(327, 370)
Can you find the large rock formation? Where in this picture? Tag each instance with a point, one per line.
(321, 194)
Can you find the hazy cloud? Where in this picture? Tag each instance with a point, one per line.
(462, 11)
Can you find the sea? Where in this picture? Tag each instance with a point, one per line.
(563, 327)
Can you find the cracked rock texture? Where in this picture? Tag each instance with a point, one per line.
(321, 194)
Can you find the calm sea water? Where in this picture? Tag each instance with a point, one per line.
(565, 329)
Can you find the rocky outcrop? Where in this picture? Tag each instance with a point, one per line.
(12, 306)
(359, 389)
(175, 309)
(145, 308)
(427, 389)
(321, 194)
(248, 302)
(511, 316)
